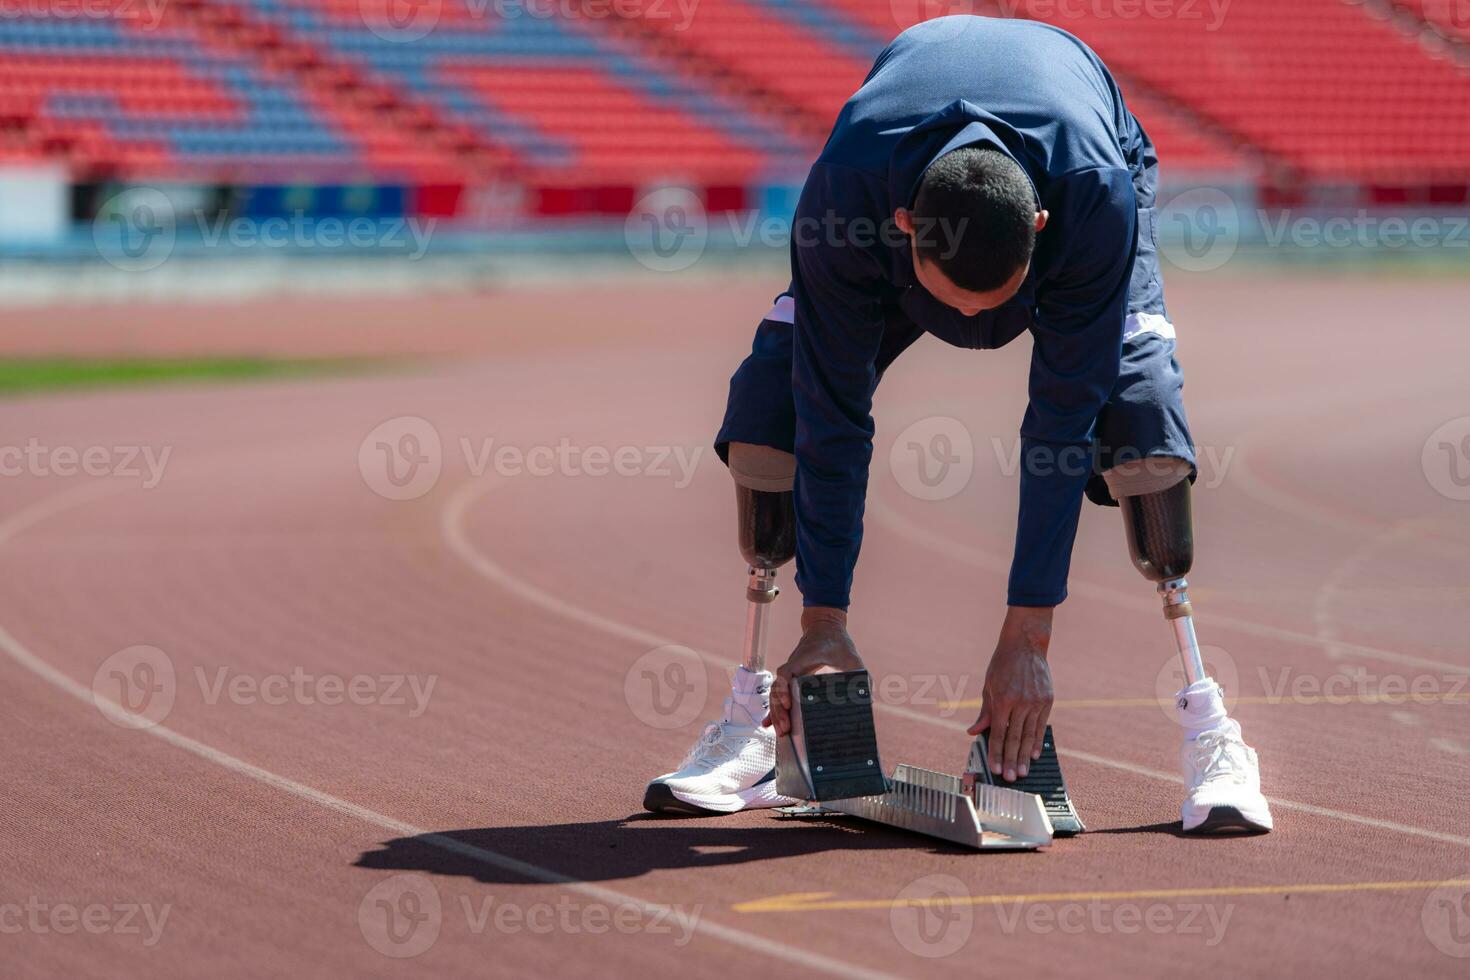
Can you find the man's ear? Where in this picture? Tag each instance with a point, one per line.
(904, 220)
(1041, 217)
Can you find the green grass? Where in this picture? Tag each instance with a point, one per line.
(47, 373)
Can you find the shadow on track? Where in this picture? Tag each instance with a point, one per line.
(611, 849)
(1176, 829)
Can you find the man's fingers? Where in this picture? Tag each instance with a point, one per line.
(776, 716)
(1042, 717)
(998, 725)
(1030, 743)
(981, 723)
(770, 720)
(1015, 729)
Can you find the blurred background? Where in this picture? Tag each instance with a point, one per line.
(458, 140)
(446, 294)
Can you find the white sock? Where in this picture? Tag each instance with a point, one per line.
(1200, 707)
(750, 697)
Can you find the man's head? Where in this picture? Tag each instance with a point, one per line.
(972, 228)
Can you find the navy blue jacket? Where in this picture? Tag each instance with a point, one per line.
(1040, 95)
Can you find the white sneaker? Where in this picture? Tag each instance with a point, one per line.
(733, 765)
(1222, 780)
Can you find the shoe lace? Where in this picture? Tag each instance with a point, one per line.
(698, 747)
(1220, 755)
(720, 742)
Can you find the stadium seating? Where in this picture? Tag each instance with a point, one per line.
(1323, 89)
(121, 98)
(569, 104)
(1449, 19)
(583, 93)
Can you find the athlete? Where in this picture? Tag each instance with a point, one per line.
(987, 180)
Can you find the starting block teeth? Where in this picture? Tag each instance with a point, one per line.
(1044, 778)
(936, 804)
(831, 758)
(832, 751)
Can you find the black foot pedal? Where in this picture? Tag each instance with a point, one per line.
(1044, 778)
(832, 751)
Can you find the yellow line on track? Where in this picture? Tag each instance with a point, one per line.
(824, 902)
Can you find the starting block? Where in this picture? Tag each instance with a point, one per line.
(832, 751)
(1044, 778)
(830, 759)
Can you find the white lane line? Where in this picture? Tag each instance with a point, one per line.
(60, 502)
(1313, 809)
(969, 555)
(452, 526)
(1326, 595)
(1247, 482)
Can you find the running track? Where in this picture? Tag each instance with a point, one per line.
(497, 831)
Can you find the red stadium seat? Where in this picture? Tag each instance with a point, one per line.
(1317, 90)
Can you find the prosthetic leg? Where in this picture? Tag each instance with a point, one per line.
(732, 767)
(1221, 772)
(1160, 532)
(767, 527)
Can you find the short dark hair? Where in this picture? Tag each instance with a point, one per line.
(975, 217)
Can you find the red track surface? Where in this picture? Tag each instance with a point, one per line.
(264, 829)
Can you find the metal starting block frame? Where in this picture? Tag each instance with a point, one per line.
(830, 759)
(1043, 777)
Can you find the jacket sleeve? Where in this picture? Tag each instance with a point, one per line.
(1077, 337)
(837, 286)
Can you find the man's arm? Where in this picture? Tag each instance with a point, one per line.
(1077, 343)
(838, 327)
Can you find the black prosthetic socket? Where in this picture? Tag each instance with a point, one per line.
(767, 527)
(1160, 532)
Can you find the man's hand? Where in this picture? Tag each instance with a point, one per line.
(824, 643)
(1017, 697)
